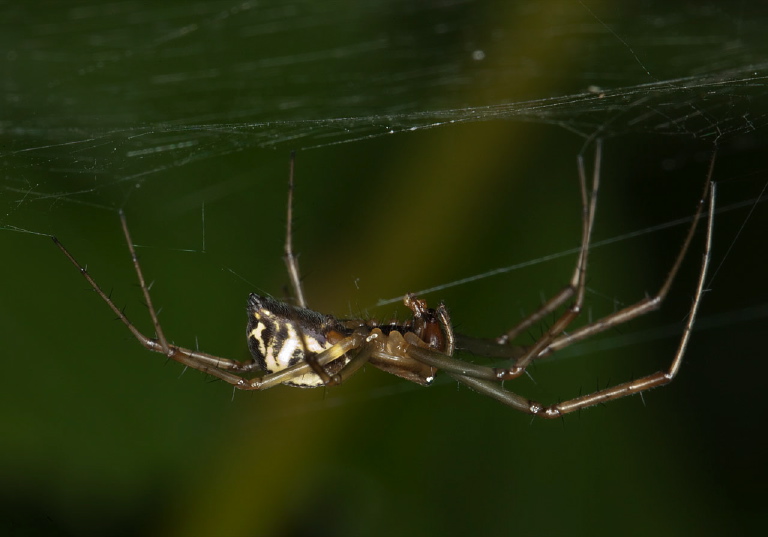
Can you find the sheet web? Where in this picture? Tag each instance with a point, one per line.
(123, 99)
(121, 96)
(136, 108)
(437, 143)
(119, 93)
(716, 106)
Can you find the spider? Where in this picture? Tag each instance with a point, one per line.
(296, 346)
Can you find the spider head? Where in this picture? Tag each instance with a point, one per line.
(430, 325)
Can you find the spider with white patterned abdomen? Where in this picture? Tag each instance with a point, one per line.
(300, 347)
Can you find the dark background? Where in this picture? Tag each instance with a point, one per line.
(436, 141)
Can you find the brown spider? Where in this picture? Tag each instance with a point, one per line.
(297, 346)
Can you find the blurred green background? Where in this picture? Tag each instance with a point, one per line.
(184, 114)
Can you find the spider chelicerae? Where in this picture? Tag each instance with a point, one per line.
(300, 347)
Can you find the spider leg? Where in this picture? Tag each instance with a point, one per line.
(144, 289)
(496, 391)
(488, 348)
(659, 378)
(158, 345)
(355, 362)
(449, 364)
(222, 368)
(311, 360)
(198, 360)
(360, 358)
(291, 261)
(161, 343)
(576, 287)
(226, 369)
(588, 215)
(485, 380)
(647, 304)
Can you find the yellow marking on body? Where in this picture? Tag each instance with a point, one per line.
(278, 355)
(256, 334)
(291, 343)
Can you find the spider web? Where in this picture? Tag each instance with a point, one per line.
(436, 149)
(121, 94)
(142, 109)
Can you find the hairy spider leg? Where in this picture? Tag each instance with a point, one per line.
(222, 368)
(291, 261)
(568, 291)
(484, 381)
(659, 378)
(654, 302)
(292, 264)
(577, 285)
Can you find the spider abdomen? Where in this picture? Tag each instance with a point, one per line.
(281, 335)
